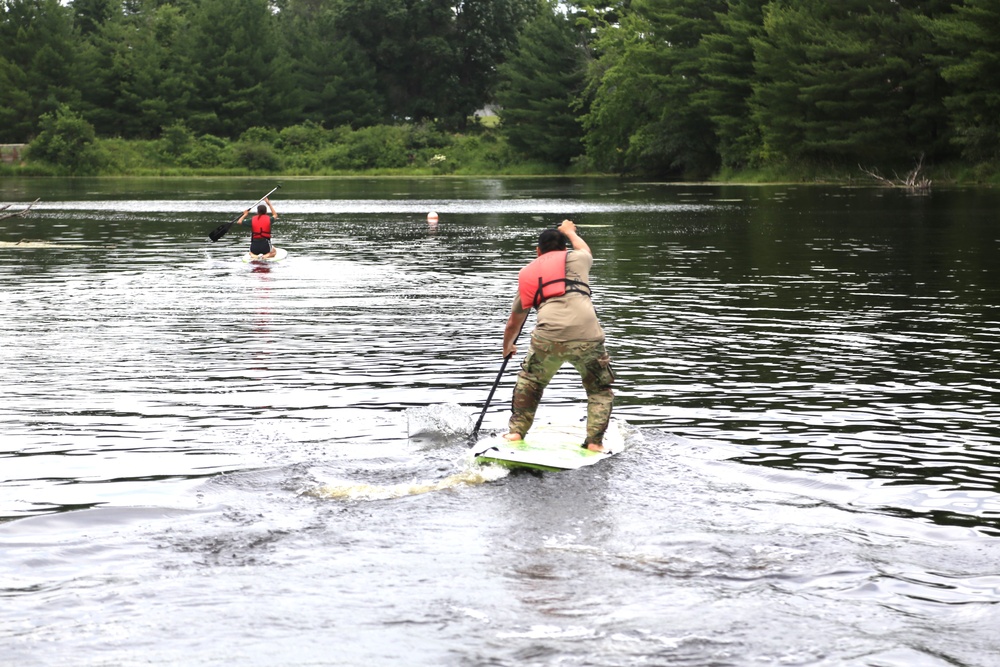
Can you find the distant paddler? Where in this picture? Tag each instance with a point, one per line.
(260, 230)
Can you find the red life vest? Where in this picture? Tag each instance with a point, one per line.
(545, 278)
(260, 227)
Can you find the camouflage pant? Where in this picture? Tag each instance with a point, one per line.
(544, 358)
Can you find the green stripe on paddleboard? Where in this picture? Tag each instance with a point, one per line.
(548, 447)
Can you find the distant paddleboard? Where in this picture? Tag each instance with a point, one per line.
(281, 254)
(548, 447)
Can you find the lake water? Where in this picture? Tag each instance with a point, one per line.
(206, 462)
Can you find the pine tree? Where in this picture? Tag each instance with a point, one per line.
(240, 69)
(39, 58)
(727, 65)
(435, 59)
(138, 79)
(335, 78)
(540, 85)
(969, 57)
(840, 82)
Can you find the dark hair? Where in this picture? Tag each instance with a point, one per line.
(552, 239)
(261, 209)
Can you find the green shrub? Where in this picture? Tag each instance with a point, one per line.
(176, 140)
(337, 157)
(379, 147)
(67, 140)
(308, 136)
(66, 145)
(255, 156)
(426, 136)
(376, 147)
(208, 151)
(259, 135)
(125, 156)
(482, 153)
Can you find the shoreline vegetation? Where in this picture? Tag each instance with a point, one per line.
(404, 150)
(742, 91)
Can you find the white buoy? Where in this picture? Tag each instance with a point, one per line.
(432, 217)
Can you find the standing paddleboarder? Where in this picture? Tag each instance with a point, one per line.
(557, 285)
(260, 231)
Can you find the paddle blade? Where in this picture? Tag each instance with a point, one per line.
(219, 231)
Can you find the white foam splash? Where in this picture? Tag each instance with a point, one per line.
(440, 421)
(346, 490)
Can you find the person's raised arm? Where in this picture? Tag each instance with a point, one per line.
(568, 227)
(274, 213)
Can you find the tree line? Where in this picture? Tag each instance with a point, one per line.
(668, 88)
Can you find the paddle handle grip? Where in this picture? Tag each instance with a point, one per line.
(267, 195)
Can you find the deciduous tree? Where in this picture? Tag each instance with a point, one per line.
(645, 115)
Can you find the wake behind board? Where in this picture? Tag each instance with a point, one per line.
(548, 447)
(281, 254)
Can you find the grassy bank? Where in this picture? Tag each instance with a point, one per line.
(70, 149)
(301, 150)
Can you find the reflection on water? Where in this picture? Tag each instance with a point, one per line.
(811, 372)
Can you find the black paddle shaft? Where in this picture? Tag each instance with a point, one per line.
(503, 366)
(221, 230)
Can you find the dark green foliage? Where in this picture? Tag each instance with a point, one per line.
(39, 65)
(240, 70)
(727, 65)
(645, 115)
(176, 140)
(970, 61)
(808, 81)
(334, 78)
(255, 156)
(90, 15)
(541, 84)
(672, 88)
(620, 102)
(835, 81)
(433, 59)
(137, 72)
(487, 32)
(67, 140)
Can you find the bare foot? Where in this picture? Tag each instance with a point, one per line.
(594, 447)
(512, 436)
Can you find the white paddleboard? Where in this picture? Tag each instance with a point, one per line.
(280, 255)
(548, 447)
